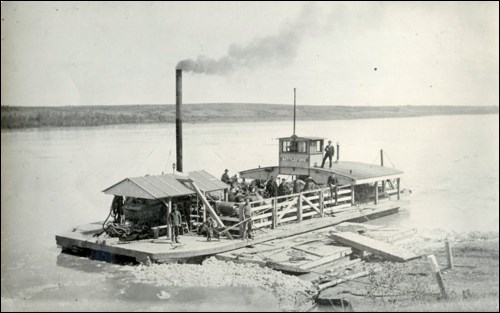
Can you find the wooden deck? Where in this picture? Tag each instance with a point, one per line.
(311, 251)
(346, 172)
(162, 250)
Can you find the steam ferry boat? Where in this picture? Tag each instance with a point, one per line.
(138, 228)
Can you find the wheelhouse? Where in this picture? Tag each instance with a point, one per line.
(297, 155)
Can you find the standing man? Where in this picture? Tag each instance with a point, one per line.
(175, 222)
(329, 152)
(247, 217)
(225, 177)
(272, 187)
(282, 188)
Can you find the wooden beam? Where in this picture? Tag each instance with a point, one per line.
(209, 207)
(378, 247)
(437, 273)
(376, 193)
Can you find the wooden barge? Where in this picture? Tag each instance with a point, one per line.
(273, 218)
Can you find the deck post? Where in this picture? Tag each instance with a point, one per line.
(449, 254)
(376, 192)
(399, 188)
(273, 216)
(338, 152)
(336, 193)
(352, 193)
(242, 218)
(382, 164)
(321, 203)
(169, 210)
(225, 195)
(204, 211)
(299, 208)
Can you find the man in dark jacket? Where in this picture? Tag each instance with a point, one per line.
(175, 222)
(329, 152)
(282, 189)
(272, 187)
(225, 177)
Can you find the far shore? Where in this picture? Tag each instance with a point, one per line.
(14, 117)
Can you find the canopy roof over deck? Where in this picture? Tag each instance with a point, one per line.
(165, 186)
(347, 173)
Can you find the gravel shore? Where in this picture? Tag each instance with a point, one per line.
(293, 293)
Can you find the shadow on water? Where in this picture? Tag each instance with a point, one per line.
(63, 260)
(332, 305)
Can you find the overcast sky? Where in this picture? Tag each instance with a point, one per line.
(377, 53)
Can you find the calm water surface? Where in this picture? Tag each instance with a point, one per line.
(52, 180)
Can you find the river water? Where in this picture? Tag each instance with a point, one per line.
(52, 180)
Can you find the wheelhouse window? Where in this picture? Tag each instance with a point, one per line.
(286, 146)
(294, 146)
(302, 147)
(316, 146)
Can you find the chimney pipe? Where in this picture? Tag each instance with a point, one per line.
(178, 118)
(294, 105)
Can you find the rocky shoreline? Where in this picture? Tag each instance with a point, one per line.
(397, 287)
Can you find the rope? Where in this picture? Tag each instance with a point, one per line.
(104, 223)
(385, 153)
(376, 158)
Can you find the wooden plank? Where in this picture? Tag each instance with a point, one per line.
(378, 247)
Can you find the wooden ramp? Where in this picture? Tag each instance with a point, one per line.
(388, 251)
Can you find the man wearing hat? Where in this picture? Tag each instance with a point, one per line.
(329, 152)
(225, 177)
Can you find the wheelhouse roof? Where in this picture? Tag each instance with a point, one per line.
(165, 186)
(302, 138)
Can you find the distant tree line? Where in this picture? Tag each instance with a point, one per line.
(77, 116)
